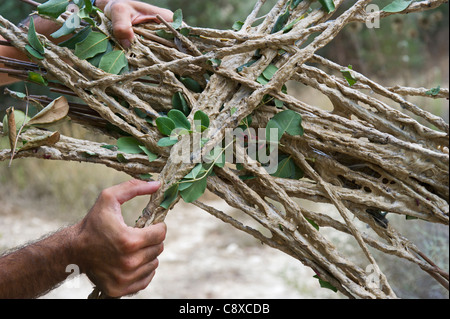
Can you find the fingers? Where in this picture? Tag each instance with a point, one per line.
(148, 13)
(134, 272)
(129, 190)
(120, 15)
(124, 14)
(148, 236)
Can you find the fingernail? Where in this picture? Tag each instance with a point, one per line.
(126, 43)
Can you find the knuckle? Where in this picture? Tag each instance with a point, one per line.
(118, 6)
(127, 244)
(107, 194)
(154, 264)
(129, 263)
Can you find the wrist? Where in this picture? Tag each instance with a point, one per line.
(77, 243)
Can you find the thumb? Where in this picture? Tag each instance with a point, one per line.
(122, 25)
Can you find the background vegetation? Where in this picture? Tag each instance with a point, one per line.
(408, 50)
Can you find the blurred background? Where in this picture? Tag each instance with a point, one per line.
(205, 258)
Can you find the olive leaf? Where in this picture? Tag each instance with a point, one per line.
(129, 145)
(53, 8)
(168, 141)
(37, 78)
(397, 6)
(179, 102)
(165, 125)
(113, 62)
(179, 119)
(78, 37)
(194, 191)
(170, 195)
(177, 19)
(328, 5)
(35, 47)
(94, 44)
(286, 121)
(201, 120)
(347, 73)
(281, 21)
(288, 169)
(55, 111)
(325, 284)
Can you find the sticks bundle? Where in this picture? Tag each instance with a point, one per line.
(367, 157)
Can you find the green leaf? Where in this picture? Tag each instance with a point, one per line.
(194, 191)
(19, 118)
(278, 103)
(165, 35)
(80, 36)
(167, 141)
(179, 119)
(295, 3)
(434, 91)
(246, 65)
(237, 26)
(269, 72)
(113, 62)
(33, 52)
(313, 223)
(186, 32)
(286, 121)
(67, 28)
(288, 169)
(179, 103)
(194, 172)
(94, 44)
(53, 8)
(165, 125)
(37, 78)
(289, 27)
(33, 39)
(328, 5)
(262, 80)
(129, 145)
(110, 147)
(121, 158)
(325, 284)
(177, 19)
(170, 195)
(202, 118)
(146, 177)
(95, 61)
(281, 21)
(88, 7)
(191, 84)
(214, 62)
(4, 143)
(151, 156)
(397, 6)
(347, 73)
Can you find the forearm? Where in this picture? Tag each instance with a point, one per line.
(43, 26)
(37, 268)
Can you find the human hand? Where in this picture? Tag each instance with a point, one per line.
(126, 13)
(119, 259)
